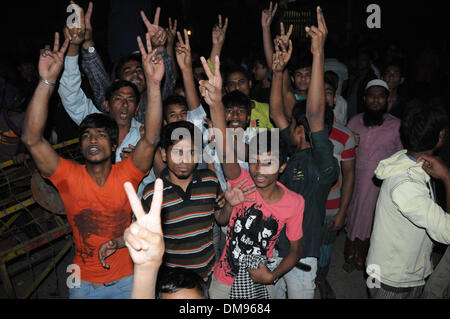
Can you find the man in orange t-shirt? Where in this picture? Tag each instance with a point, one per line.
(95, 200)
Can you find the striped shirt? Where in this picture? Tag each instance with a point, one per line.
(344, 150)
(187, 221)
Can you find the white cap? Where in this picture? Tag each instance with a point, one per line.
(377, 82)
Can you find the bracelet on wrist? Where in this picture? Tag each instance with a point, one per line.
(47, 82)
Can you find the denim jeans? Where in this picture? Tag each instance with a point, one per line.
(297, 284)
(121, 289)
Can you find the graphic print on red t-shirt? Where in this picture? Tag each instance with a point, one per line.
(250, 235)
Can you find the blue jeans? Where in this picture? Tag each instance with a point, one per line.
(121, 289)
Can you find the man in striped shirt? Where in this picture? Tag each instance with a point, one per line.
(189, 202)
(340, 194)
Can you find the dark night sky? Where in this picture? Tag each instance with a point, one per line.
(29, 25)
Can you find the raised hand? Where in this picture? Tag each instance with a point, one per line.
(283, 38)
(211, 89)
(171, 32)
(76, 34)
(219, 32)
(51, 61)
(281, 57)
(236, 195)
(157, 34)
(152, 61)
(318, 34)
(183, 52)
(88, 37)
(144, 237)
(267, 15)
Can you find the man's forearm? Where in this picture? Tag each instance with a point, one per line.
(288, 262)
(192, 98)
(223, 215)
(348, 181)
(315, 105)
(268, 46)
(153, 113)
(36, 114)
(144, 282)
(73, 50)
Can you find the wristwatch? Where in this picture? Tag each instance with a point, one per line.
(91, 49)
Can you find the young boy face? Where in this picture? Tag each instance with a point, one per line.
(302, 78)
(260, 72)
(238, 81)
(393, 77)
(181, 158)
(175, 113)
(237, 117)
(264, 169)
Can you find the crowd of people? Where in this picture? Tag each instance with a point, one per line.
(204, 179)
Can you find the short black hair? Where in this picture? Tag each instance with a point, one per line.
(299, 115)
(173, 99)
(233, 68)
(237, 98)
(168, 130)
(171, 280)
(131, 57)
(117, 85)
(264, 137)
(99, 120)
(332, 79)
(422, 124)
(301, 63)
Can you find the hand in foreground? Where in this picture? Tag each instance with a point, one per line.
(211, 89)
(261, 275)
(236, 195)
(152, 61)
(51, 61)
(434, 167)
(106, 250)
(144, 237)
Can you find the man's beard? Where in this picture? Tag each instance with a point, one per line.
(374, 118)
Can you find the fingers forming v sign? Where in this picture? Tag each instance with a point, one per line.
(219, 31)
(281, 57)
(211, 90)
(76, 33)
(51, 61)
(144, 237)
(268, 14)
(171, 31)
(151, 60)
(183, 51)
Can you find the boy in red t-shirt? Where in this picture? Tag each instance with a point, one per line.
(255, 219)
(96, 204)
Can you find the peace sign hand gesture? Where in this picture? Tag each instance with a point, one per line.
(51, 62)
(152, 61)
(219, 31)
(144, 237)
(211, 90)
(183, 52)
(267, 15)
(281, 57)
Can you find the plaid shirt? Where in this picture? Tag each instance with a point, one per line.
(99, 80)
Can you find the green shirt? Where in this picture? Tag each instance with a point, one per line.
(311, 173)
